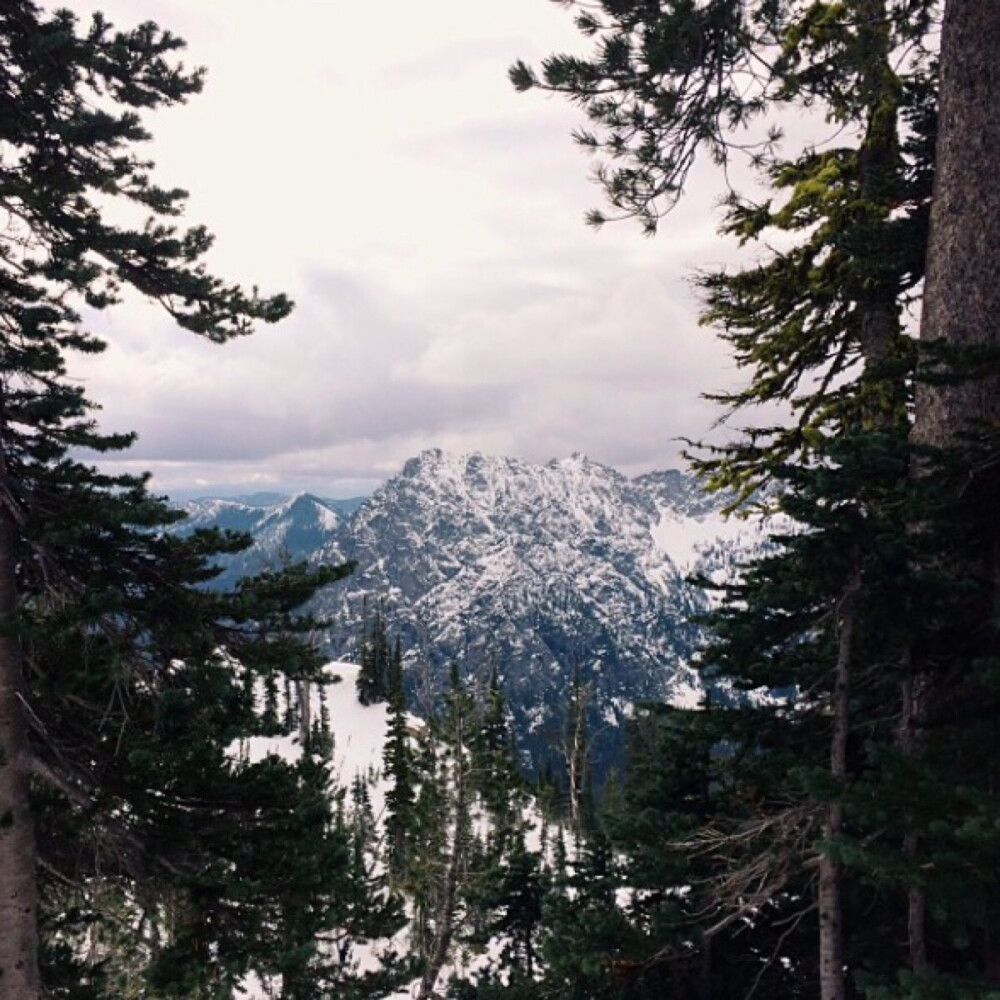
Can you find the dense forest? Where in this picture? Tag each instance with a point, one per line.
(833, 833)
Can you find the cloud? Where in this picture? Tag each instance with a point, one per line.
(374, 162)
(360, 380)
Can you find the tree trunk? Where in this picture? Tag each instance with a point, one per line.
(961, 292)
(575, 749)
(831, 927)
(961, 307)
(831, 924)
(445, 917)
(916, 921)
(575, 758)
(878, 334)
(879, 165)
(19, 979)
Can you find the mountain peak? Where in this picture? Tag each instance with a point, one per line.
(542, 569)
(574, 458)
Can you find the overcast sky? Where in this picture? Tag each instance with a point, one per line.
(372, 161)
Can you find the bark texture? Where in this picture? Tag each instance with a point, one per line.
(911, 721)
(19, 979)
(962, 291)
(961, 311)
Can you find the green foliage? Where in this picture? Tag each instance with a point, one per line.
(169, 863)
(667, 80)
(662, 82)
(495, 772)
(375, 659)
(400, 771)
(856, 662)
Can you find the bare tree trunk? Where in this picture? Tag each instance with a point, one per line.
(831, 925)
(19, 979)
(961, 308)
(445, 916)
(576, 749)
(961, 292)
(576, 761)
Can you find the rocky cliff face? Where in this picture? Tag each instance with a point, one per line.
(542, 570)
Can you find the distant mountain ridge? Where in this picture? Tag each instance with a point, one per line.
(542, 570)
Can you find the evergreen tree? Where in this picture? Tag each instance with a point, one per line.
(859, 618)
(455, 729)
(495, 774)
(502, 889)
(669, 79)
(374, 659)
(369, 910)
(400, 771)
(585, 947)
(519, 900)
(124, 684)
(429, 838)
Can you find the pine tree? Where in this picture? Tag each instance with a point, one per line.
(519, 900)
(501, 894)
(585, 945)
(374, 659)
(495, 773)
(154, 804)
(370, 911)
(124, 684)
(446, 886)
(860, 615)
(400, 772)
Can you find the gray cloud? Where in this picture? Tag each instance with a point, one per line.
(427, 221)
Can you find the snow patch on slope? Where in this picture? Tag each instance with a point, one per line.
(684, 540)
(359, 733)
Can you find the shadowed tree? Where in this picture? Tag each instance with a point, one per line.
(819, 327)
(124, 685)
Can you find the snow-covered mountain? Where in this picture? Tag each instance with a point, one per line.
(285, 529)
(542, 570)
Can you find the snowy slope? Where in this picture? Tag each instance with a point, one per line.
(359, 731)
